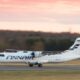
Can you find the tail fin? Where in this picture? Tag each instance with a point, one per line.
(76, 44)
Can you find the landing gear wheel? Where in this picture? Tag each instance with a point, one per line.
(30, 65)
(39, 65)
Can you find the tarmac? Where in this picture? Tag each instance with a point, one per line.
(27, 68)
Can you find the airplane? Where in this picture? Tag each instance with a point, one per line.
(71, 54)
(11, 55)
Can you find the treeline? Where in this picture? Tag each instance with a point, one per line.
(29, 40)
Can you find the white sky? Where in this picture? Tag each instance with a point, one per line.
(40, 15)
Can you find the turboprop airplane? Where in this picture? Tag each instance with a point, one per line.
(71, 54)
(19, 56)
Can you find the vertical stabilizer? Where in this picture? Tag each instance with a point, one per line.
(76, 44)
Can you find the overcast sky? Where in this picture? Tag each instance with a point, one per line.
(40, 15)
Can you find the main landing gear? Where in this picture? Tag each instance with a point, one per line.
(38, 64)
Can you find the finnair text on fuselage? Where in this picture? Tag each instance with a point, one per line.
(18, 57)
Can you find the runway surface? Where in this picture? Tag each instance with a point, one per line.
(22, 67)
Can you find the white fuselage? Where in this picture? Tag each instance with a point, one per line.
(71, 54)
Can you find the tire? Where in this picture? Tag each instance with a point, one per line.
(30, 65)
(39, 65)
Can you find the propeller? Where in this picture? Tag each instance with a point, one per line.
(33, 55)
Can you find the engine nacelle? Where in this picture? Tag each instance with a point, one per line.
(36, 54)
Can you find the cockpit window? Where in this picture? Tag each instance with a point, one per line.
(1, 55)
